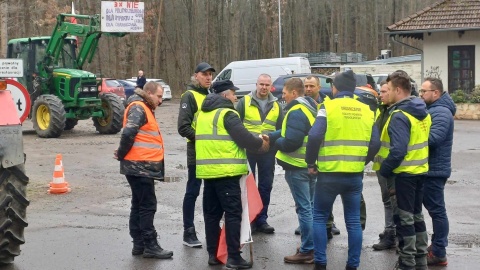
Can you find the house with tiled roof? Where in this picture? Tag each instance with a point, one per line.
(450, 30)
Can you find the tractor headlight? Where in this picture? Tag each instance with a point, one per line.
(93, 89)
(85, 89)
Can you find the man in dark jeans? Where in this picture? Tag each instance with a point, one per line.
(404, 155)
(190, 105)
(141, 157)
(261, 113)
(442, 109)
(221, 140)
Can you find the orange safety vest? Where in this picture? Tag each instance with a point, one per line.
(148, 145)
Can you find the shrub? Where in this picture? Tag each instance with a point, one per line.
(459, 96)
(475, 95)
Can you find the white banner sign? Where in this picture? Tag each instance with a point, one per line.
(11, 68)
(122, 16)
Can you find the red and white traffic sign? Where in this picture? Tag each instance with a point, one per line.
(21, 98)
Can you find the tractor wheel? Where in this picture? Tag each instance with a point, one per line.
(70, 123)
(113, 120)
(48, 116)
(13, 211)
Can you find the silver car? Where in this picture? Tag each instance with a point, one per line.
(167, 92)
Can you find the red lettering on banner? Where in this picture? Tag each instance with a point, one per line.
(132, 4)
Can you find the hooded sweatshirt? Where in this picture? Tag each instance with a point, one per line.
(234, 126)
(399, 132)
(440, 140)
(296, 130)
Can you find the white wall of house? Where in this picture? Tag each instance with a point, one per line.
(414, 69)
(435, 52)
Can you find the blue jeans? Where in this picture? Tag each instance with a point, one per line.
(191, 194)
(434, 202)
(266, 170)
(302, 186)
(349, 186)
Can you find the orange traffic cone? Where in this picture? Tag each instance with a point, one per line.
(58, 184)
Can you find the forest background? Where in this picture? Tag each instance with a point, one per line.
(181, 33)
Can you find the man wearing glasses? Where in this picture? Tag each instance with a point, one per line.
(442, 109)
(404, 155)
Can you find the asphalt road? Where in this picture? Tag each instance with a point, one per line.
(88, 228)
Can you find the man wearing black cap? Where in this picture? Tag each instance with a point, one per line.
(189, 106)
(338, 155)
(221, 161)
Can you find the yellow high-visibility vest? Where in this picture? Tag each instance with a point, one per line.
(217, 155)
(416, 160)
(253, 121)
(297, 157)
(349, 129)
(199, 98)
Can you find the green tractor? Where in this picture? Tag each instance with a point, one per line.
(61, 92)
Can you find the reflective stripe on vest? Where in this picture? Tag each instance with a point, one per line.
(416, 160)
(148, 144)
(217, 155)
(253, 122)
(199, 98)
(349, 129)
(297, 157)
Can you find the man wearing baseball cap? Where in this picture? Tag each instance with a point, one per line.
(221, 161)
(190, 104)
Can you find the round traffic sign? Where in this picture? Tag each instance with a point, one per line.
(21, 97)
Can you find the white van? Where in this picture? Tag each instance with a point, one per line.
(244, 74)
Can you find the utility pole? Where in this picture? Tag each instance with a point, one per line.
(279, 29)
(335, 40)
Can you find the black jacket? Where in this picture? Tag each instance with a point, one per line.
(234, 126)
(188, 107)
(136, 118)
(141, 81)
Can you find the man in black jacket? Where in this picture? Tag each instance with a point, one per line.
(221, 161)
(190, 105)
(141, 80)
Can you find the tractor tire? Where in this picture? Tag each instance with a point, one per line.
(70, 123)
(13, 211)
(113, 120)
(48, 116)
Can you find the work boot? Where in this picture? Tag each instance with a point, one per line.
(190, 238)
(265, 228)
(237, 263)
(350, 268)
(329, 233)
(335, 230)
(212, 260)
(387, 242)
(138, 246)
(297, 231)
(436, 261)
(382, 234)
(300, 258)
(320, 267)
(153, 249)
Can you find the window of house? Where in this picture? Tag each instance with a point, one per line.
(461, 68)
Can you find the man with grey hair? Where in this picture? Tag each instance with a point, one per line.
(442, 109)
(190, 105)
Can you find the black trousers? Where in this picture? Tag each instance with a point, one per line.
(222, 195)
(144, 206)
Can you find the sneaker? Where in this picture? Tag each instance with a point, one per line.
(265, 228)
(212, 260)
(329, 233)
(190, 238)
(320, 267)
(299, 257)
(335, 230)
(297, 231)
(238, 263)
(434, 260)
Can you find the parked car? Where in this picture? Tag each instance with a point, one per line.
(109, 85)
(365, 93)
(382, 77)
(129, 87)
(167, 92)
